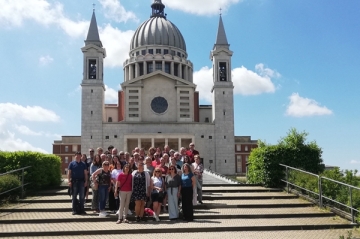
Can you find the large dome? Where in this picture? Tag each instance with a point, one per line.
(157, 31)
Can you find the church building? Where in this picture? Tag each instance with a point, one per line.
(158, 103)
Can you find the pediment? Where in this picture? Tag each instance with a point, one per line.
(138, 81)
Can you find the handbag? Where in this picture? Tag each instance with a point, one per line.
(161, 194)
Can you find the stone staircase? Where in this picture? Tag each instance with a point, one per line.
(229, 211)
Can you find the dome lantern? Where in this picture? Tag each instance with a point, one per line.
(158, 9)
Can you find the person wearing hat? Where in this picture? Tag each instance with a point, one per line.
(78, 179)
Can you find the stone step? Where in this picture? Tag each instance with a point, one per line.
(52, 217)
(206, 196)
(205, 189)
(199, 225)
(210, 204)
(299, 234)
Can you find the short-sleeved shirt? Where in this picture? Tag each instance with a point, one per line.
(125, 182)
(115, 173)
(186, 180)
(172, 182)
(77, 170)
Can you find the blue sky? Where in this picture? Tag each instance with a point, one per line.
(295, 64)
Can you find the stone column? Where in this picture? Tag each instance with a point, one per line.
(167, 142)
(163, 66)
(136, 69)
(172, 68)
(126, 73)
(152, 142)
(180, 70)
(130, 71)
(139, 142)
(179, 144)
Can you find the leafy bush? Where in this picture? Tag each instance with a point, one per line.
(292, 150)
(45, 169)
(8, 182)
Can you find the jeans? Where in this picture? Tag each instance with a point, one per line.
(103, 194)
(78, 189)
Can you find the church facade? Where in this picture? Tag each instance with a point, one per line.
(158, 103)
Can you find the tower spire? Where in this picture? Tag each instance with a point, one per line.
(93, 33)
(158, 9)
(221, 38)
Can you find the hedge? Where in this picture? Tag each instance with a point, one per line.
(8, 182)
(292, 150)
(45, 171)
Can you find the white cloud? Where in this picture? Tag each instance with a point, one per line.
(13, 13)
(115, 11)
(354, 162)
(25, 130)
(11, 114)
(117, 45)
(8, 142)
(111, 95)
(45, 60)
(29, 113)
(246, 82)
(301, 107)
(200, 7)
(204, 81)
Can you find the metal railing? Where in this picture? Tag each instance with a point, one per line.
(22, 180)
(320, 189)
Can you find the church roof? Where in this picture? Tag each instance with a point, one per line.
(93, 33)
(221, 38)
(158, 31)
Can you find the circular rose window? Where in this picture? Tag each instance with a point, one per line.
(159, 105)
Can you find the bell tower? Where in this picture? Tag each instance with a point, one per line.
(92, 89)
(223, 103)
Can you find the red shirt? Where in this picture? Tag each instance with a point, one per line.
(155, 163)
(125, 184)
(191, 154)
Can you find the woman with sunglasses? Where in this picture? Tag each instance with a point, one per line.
(188, 183)
(141, 190)
(104, 185)
(124, 187)
(173, 189)
(157, 193)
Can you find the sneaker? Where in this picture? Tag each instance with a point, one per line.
(156, 218)
(201, 202)
(74, 213)
(101, 214)
(129, 212)
(164, 209)
(83, 213)
(137, 219)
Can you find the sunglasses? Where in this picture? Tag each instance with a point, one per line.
(92, 151)
(106, 164)
(171, 169)
(157, 171)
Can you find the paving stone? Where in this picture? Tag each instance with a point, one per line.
(303, 234)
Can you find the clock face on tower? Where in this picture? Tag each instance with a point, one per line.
(159, 105)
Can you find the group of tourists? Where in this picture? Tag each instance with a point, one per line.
(136, 182)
